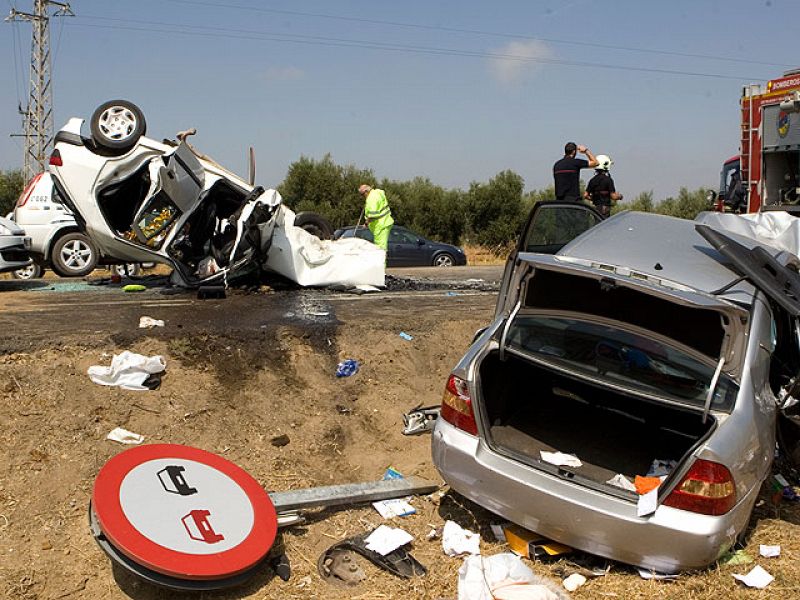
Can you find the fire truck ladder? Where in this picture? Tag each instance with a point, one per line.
(746, 140)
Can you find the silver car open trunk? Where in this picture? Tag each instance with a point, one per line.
(532, 408)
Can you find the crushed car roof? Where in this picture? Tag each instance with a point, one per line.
(663, 247)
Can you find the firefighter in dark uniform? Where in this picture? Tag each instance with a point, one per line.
(566, 172)
(600, 190)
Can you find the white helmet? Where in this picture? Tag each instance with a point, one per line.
(603, 162)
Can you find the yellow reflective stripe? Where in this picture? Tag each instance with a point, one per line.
(378, 214)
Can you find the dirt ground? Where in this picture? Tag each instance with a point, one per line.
(241, 372)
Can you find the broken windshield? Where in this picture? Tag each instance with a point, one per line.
(621, 357)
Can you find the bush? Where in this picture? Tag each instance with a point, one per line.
(11, 185)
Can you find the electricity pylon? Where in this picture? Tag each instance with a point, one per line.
(38, 114)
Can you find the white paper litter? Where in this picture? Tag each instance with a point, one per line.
(757, 578)
(385, 539)
(309, 261)
(560, 459)
(573, 582)
(619, 480)
(150, 322)
(396, 507)
(123, 436)
(769, 551)
(503, 577)
(456, 540)
(128, 370)
(646, 574)
(647, 503)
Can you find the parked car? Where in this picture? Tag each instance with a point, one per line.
(56, 239)
(408, 249)
(643, 338)
(14, 246)
(142, 200)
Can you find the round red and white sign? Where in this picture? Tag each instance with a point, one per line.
(184, 512)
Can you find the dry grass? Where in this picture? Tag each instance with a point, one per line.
(481, 255)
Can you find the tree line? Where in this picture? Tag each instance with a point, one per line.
(489, 214)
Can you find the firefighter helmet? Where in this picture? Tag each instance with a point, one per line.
(604, 162)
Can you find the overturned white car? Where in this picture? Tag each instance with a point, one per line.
(142, 200)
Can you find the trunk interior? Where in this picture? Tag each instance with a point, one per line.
(532, 408)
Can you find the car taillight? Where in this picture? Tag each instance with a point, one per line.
(457, 405)
(55, 159)
(707, 488)
(26, 193)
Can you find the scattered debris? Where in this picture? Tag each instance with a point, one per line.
(769, 551)
(385, 539)
(560, 459)
(150, 322)
(396, 507)
(133, 287)
(503, 577)
(650, 574)
(646, 484)
(756, 578)
(339, 566)
(499, 534)
(740, 557)
(420, 420)
(407, 337)
(573, 582)
(123, 436)
(619, 480)
(129, 370)
(347, 367)
(457, 541)
(648, 503)
(398, 562)
(661, 468)
(532, 545)
(280, 440)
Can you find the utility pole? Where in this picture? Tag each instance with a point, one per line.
(38, 115)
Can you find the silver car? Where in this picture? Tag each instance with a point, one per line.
(14, 246)
(646, 346)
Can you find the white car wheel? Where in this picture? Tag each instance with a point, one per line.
(32, 271)
(73, 255)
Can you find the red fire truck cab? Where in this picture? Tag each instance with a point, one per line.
(769, 151)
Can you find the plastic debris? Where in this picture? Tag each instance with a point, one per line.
(646, 484)
(649, 574)
(396, 507)
(661, 468)
(407, 337)
(456, 540)
(123, 436)
(133, 287)
(503, 577)
(740, 557)
(560, 459)
(128, 370)
(769, 551)
(619, 480)
(499, 534)
(347, 367)
(756, 578)
(532, 545)
(386, 539)
(150, 322)
(573, 582)
(648, 503)
(420, 420)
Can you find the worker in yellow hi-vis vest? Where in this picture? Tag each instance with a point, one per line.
(378, 215)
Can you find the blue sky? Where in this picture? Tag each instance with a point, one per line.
(456, 91)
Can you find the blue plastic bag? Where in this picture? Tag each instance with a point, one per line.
(347, 368)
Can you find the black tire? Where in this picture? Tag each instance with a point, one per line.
(314, 224)
(117, 125)
(73, 255)
(444, 259)
(32, 271)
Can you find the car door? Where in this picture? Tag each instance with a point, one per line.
(404, 251)
(550, 227)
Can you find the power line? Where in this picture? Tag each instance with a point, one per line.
(219, 32)
(479, 32)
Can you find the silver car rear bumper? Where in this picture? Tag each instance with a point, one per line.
(668, 541)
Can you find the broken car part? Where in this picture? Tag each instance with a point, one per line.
(332, 565)
(420, 420)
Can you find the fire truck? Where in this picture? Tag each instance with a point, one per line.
(768, 164)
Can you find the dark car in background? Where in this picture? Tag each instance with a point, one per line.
(408, 249)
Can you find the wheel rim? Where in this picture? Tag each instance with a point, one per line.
(443, 261)
(117, 123)
(26, 273)
(76, 254)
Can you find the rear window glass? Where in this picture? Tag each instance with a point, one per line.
(621, 357)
